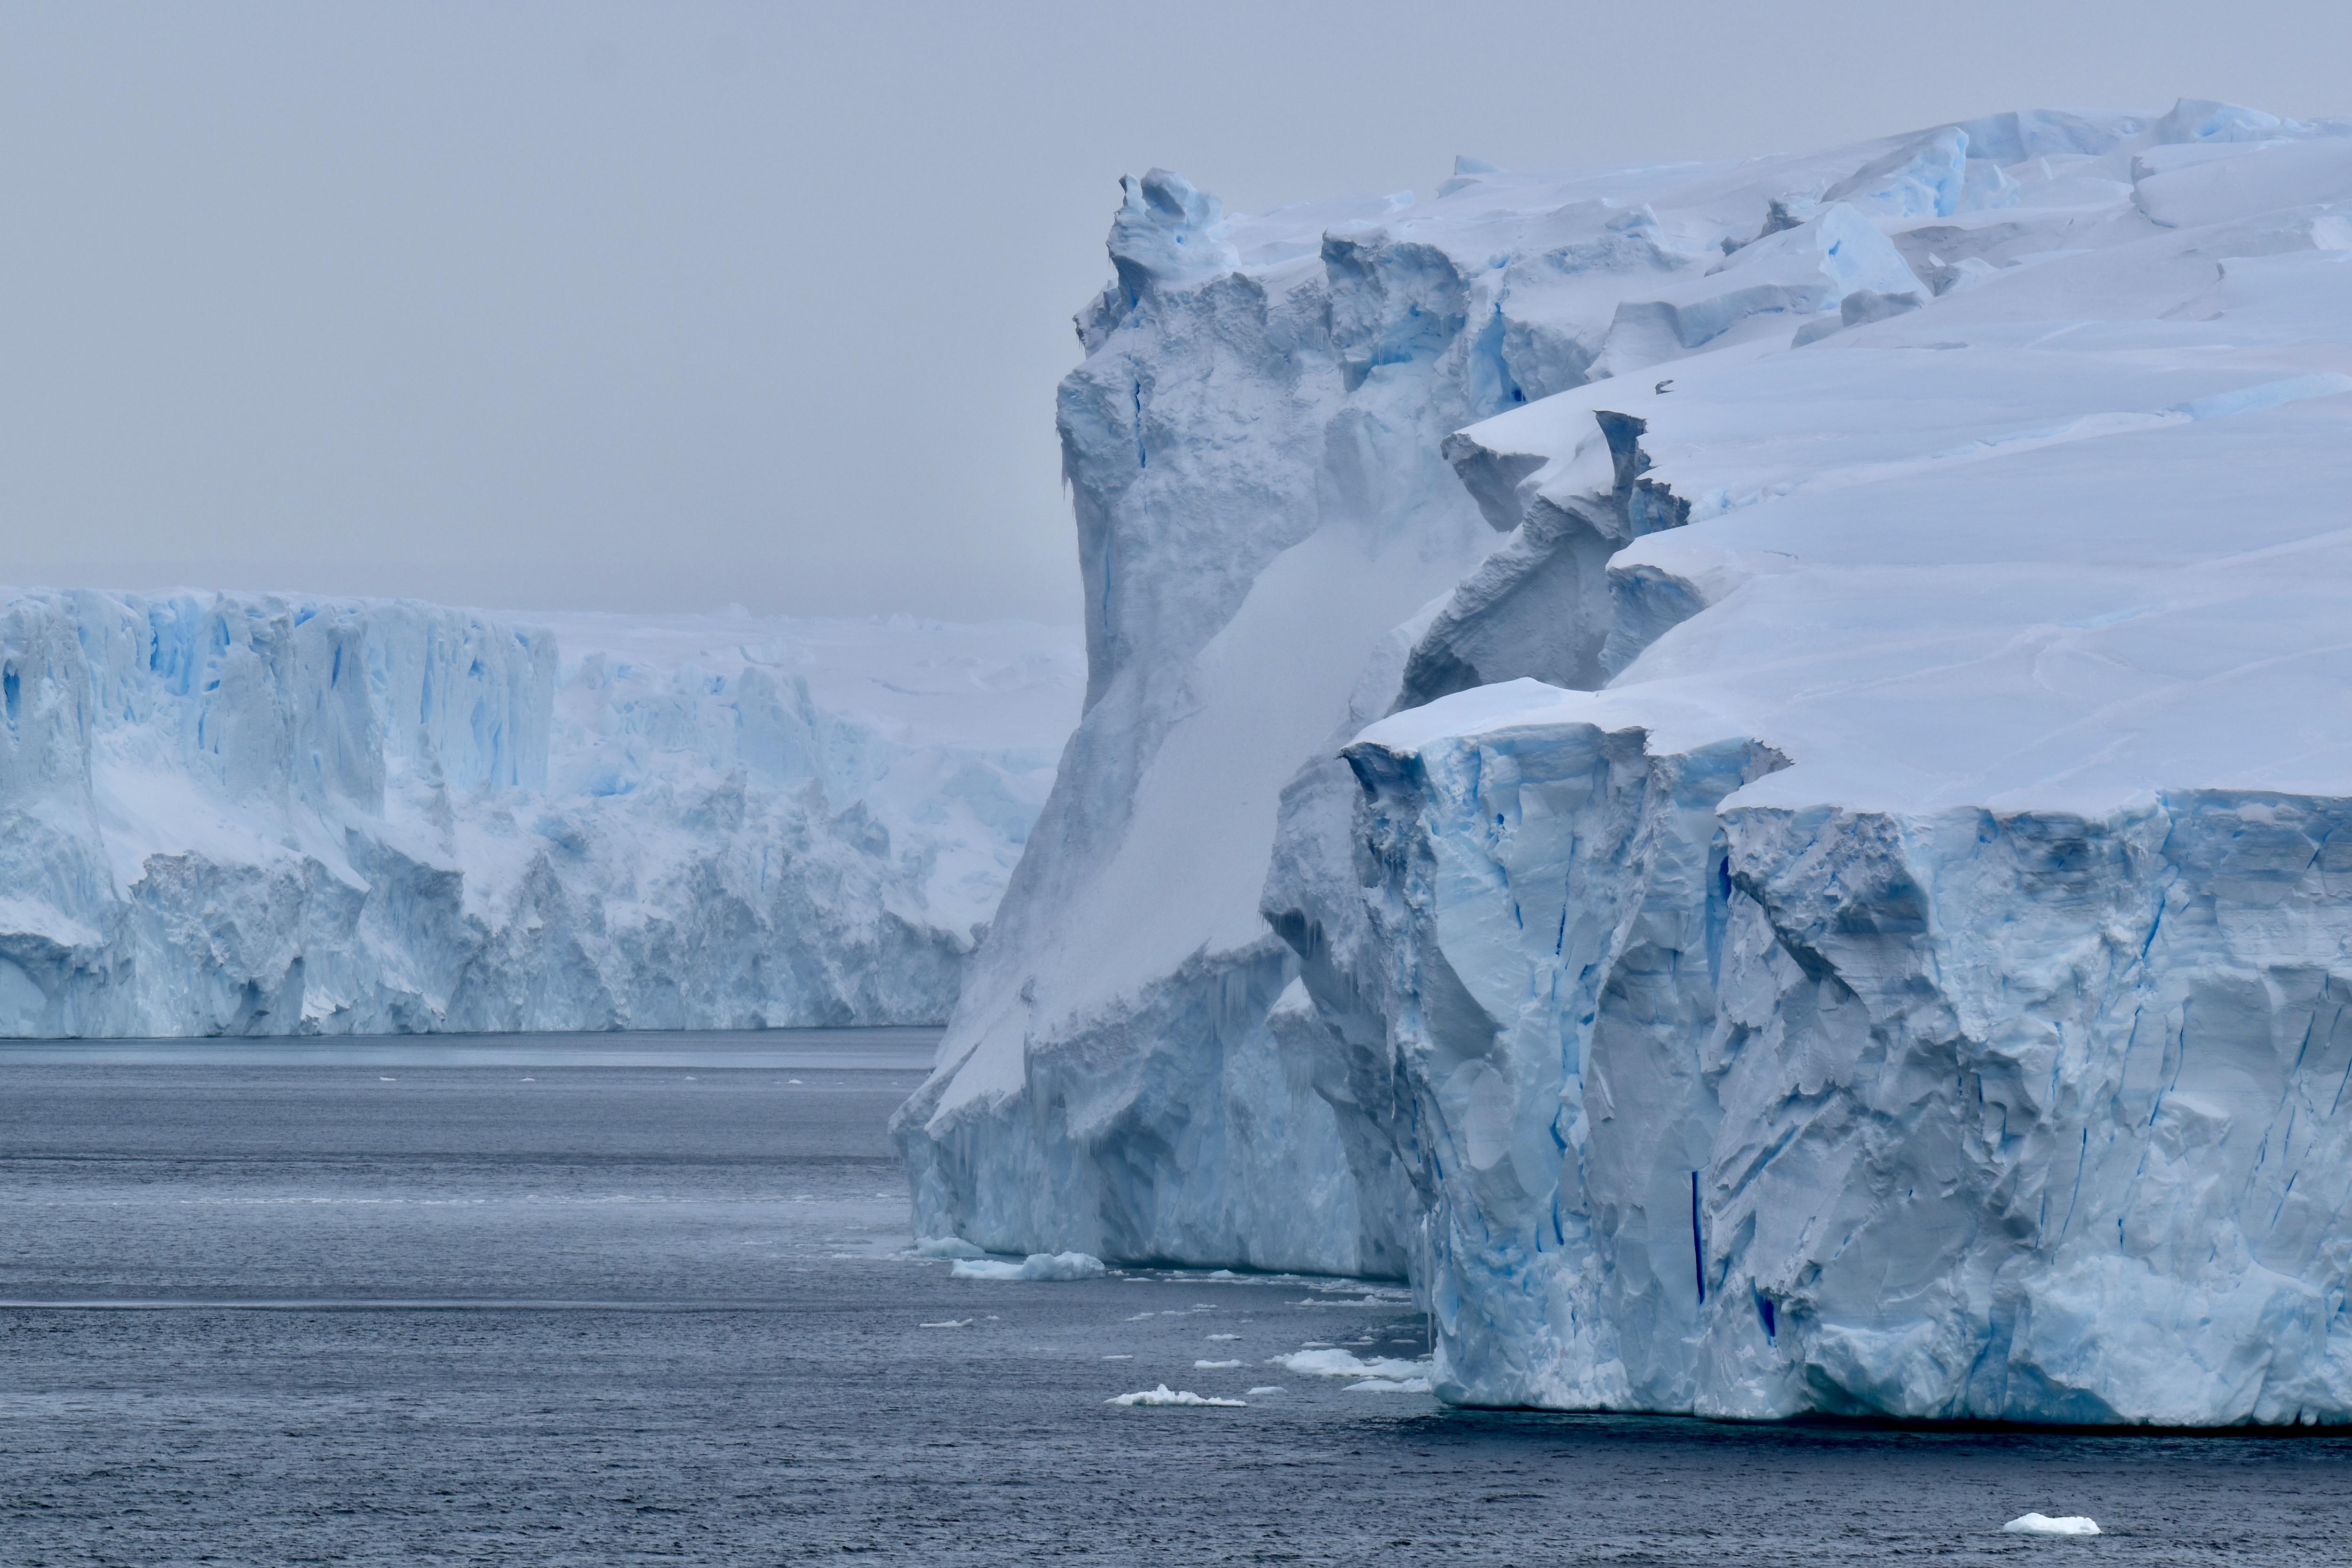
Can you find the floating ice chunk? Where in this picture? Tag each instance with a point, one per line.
(2042, 1524)
(1118, 1358)
(948, 1247)
(1163, 1395)
(1264, 1388)
(1391, 1385)
(1343, 1363)
(1213, 1365)
(950, 1324)
(1225, 1336)
(1036, 1266)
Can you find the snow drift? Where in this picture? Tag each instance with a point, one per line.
(1741, 769)
(253, 814)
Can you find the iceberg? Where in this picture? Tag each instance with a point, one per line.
(1771, 832)
(2042, 1524)
(1163, 1395)
(262, 814)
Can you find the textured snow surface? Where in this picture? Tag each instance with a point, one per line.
(257, 814)
(1740, 769)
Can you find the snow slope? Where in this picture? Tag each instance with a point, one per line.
(1811, 868)
(255, 813)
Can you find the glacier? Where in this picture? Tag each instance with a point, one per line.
(231, 813)
(1740, 770)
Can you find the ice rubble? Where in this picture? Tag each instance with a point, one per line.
(262, 814)
(1740, 768)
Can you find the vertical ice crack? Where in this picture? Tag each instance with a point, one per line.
(1698, 1254)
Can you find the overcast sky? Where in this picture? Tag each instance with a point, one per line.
(663, 306)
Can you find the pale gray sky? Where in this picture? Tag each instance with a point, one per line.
(663, 306)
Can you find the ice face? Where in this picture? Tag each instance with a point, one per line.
(255, 813)
(1813, 876)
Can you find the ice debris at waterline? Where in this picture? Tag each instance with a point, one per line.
(1036, 1266)
(1741, 769)
(1330, 1363)
(2042, 1524)
(256, 813)
(1163, 1395)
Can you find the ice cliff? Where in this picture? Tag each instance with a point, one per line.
(263, 815)
(1740, 768)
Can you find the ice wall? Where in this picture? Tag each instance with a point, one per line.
(1850, 909)
(256, 813)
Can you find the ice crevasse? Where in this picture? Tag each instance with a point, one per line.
(1739, 769)
(229, 813)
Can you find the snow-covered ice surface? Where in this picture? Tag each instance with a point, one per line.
(254, 814)
(1741, 769)
(1163, 1395)
(1336, 1363)
(1037, 1266)
(2042, 1524)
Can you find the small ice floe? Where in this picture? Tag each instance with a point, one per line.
(1264, 1388)
(792, 1080)
(1343, 1363)
(1036, 1266)
(1213, 1365)
(1391, 1385)
(1223, 1274)
(1118, 1358)
(1225, 1336)
(952, 1323)
(387, 1080)
(530, 1080)
(2042, 1524)
(1163, 1395)
(948, 1247)
(1139, 1317)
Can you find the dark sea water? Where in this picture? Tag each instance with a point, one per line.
(646, 1299)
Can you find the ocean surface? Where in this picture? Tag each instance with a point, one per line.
(649, 1299)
